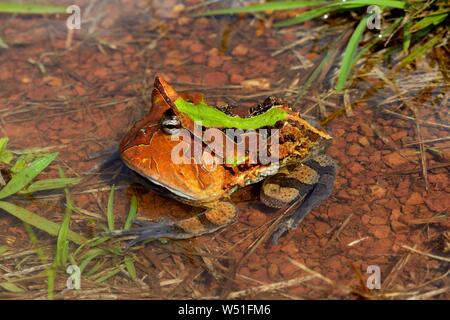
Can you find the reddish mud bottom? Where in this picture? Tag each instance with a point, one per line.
(81, 97)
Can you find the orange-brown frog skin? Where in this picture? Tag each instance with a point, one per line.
(303, 174)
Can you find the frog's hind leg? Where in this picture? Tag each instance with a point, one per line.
(311, 183)
(216, 216)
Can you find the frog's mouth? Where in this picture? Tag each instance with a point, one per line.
(179, 194)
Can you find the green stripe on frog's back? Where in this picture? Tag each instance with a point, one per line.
(211, 117)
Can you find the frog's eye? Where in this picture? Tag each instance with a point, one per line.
(171, 124)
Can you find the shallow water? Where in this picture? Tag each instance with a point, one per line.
(79, 94)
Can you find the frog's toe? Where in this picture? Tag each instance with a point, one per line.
(147, 231)
(317, 177)
(279, 232)
(150, 224)
(215, 217)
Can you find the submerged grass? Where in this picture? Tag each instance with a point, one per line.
(34, 240)
(269, 6)
(3, 249)
(423, 25)
(338, 6)
(107, 259)
(132, 213)
(110, 209)
(50, 184)
(22, 182)
(62, 243)
(25, 176)
(39, 222)
(349, 54)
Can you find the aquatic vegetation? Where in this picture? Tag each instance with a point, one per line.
(19, 174)
(415, 26)
(22, 173)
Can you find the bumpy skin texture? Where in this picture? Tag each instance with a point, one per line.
(306, 175)
(314, 181)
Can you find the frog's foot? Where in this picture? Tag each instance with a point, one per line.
(146, 230)
(217, 216)
(311, 183)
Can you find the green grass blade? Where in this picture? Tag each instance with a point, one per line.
(3, 143)
(91, 243)
(39, 222)
(89, 256)
(290, 5)
(5, 155)
(51, 276)
(3, 249)
(129, 264)
(20, 164)
(340, 5)
(25, 176)
(110, 274)
(50, 184)
(64, 256)
(406, 36)
(302, 17)
(11, 287)
(427, 21)
(95, 269)
(72, 259)
(62, 244)
(312, 77)
(23, 8)
(315, 13)
(419, 50)
(375, 40)
(269, 6)
(34, 240)
(110, 209)
(132, 213)
(381, 3)
(349, 54)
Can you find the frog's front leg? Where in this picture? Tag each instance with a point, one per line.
(311, 183)
(217, 215)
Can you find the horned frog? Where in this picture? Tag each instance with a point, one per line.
(302, 174)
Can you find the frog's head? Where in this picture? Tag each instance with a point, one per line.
(148, 148)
